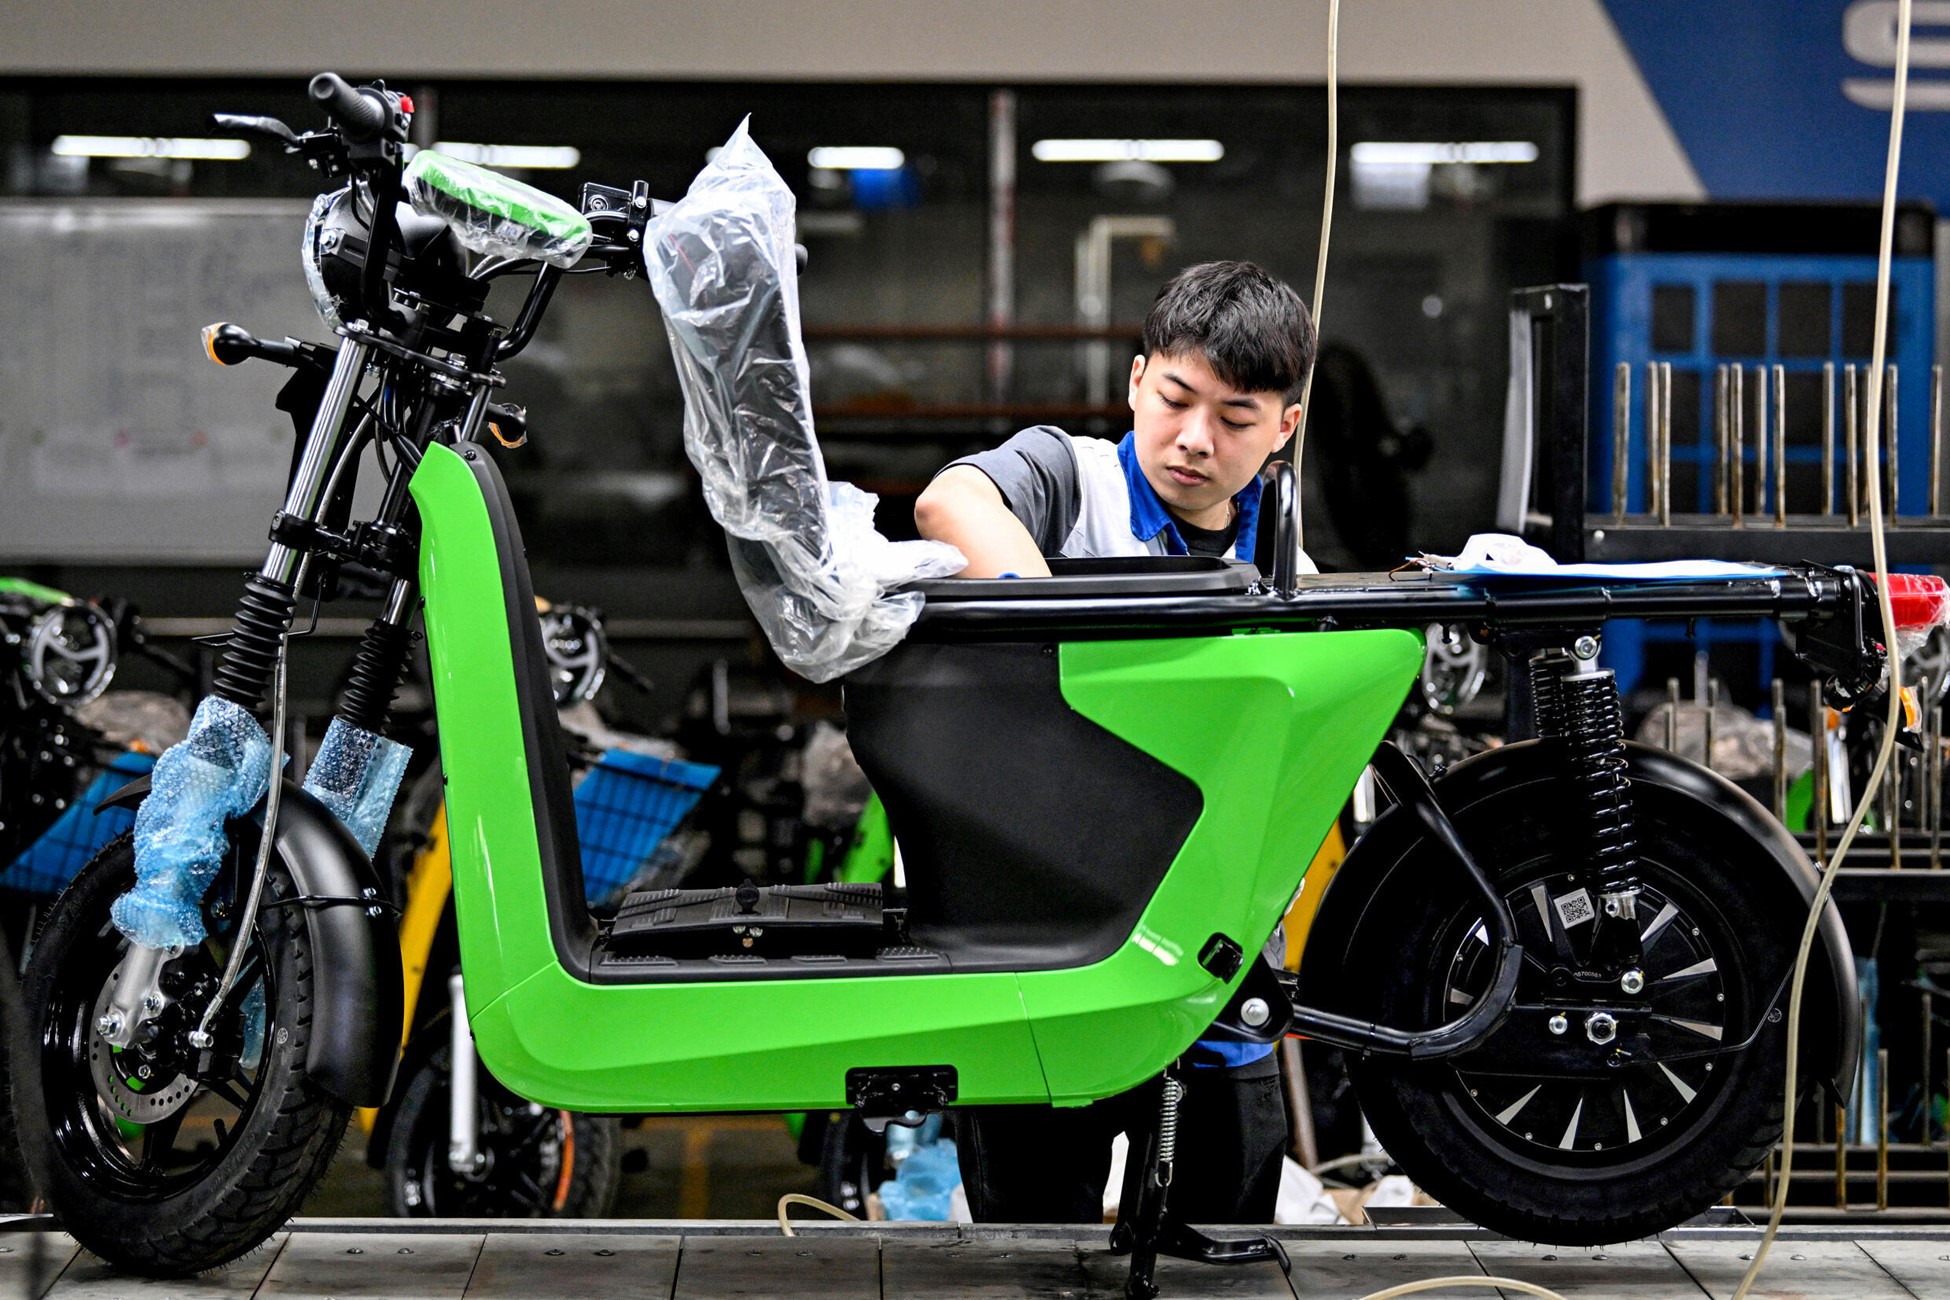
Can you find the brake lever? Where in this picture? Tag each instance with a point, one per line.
(247, 124)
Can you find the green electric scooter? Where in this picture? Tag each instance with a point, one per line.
(1561, 966)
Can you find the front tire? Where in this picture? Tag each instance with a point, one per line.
(1582, 1158)
(160, 1159)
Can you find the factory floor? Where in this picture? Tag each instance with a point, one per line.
(342, 1259)
(694, 1221)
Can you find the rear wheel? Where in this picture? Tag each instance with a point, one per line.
(534, 1162)
(160, 1158)
(1606, 1138)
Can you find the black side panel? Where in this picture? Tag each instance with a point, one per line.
(570, 924)
(1032, 838)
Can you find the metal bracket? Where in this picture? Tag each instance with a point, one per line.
(900, 1094)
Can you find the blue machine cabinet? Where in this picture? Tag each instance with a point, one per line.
(1749, 284)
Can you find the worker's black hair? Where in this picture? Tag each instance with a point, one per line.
(1252, 329)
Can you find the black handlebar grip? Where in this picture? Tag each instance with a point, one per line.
(361, 117)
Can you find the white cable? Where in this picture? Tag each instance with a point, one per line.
(800, 1198)
(1320, 265)
(1878, 543)
(1465, 1279)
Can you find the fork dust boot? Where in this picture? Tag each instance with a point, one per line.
(1145, 1227)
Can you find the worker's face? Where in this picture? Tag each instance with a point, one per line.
(1199, 440)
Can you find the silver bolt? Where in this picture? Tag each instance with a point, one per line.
(202, 1040)
(1632, 981)
(1255, 1012)
(1559, 1024)
(144, 1072)
(634, 236)
(1585, 647)
(153, 1003)
(1600, 1027)
(110, 1025)
(640, 201)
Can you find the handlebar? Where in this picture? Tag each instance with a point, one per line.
(361, 116)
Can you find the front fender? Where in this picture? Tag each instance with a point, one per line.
(1831, 1026)
(356, 976)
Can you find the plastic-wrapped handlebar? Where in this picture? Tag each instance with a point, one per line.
(361, 117)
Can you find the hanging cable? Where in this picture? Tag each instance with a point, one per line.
(1894, 720)
(1320, 264)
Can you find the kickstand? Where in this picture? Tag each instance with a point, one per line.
(1146, 1230)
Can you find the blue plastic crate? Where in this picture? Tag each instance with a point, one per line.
(52, 861)
(625, 807)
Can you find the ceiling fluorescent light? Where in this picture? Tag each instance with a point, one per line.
(1398, 153)
(1154, 151)
(857, 158)
(535, 157)
(144, 146)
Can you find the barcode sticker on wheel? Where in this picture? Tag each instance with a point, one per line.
(1573, 908)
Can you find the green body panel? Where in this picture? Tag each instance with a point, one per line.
(560, 1041)
(1301, 714)
(1275, 729)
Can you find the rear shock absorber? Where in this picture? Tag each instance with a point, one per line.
(1593, 733)
(1546, 700)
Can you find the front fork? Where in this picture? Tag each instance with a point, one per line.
(253, 659)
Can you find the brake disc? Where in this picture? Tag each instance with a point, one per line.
(131, 1097)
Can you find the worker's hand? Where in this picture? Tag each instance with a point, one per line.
(964, 508)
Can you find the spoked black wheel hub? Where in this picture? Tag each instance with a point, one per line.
(1604, 1058)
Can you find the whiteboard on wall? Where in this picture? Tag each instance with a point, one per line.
(119, 439)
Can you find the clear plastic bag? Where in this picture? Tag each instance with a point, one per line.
(494, 214)
(356, 774)
(219, 771)
(821, 580)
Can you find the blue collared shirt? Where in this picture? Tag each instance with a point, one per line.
(1149, 516)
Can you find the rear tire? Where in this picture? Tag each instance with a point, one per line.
(1579, 1159)
(192, 1164)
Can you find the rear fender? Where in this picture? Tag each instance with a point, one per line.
(356, 975)
(1831, 1027)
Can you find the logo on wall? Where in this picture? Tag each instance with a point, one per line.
(1775, 100)
(1869, 36)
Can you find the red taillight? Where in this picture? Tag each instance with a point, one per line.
(1918, 600)
(406, 104)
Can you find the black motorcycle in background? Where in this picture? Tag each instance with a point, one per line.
(64, 744)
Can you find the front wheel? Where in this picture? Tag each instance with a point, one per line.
(532, 1162)
(1564, 1128)
(160, 1158)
